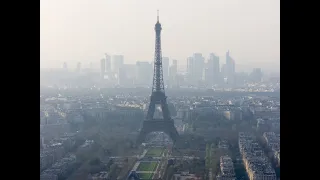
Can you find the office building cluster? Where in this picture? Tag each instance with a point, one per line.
(226, 169)
(113, 69)
(199, 72)
(255, 162)
(209, 73)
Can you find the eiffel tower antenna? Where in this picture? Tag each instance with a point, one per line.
(158, 15)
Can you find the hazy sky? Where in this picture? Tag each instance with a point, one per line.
(83, 30)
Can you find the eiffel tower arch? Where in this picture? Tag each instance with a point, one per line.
(158, 97)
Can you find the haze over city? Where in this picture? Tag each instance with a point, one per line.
(82, 31)
(159, 90)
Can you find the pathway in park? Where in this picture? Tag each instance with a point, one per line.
(142, 159)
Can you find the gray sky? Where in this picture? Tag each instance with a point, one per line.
(83, 30)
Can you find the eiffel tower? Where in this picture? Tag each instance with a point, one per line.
(158, 97)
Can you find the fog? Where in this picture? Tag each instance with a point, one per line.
(83, 30)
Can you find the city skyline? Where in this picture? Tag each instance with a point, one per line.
(192, 112)
(250, 31)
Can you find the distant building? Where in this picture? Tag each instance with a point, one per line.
(207, 74)
(223, 71)
(173, 73)
(117, 63)
(143, 73)
(190, 70)
(65, 66)
(199, 66)
(165, 69)
(195, 68)
(122, 76)
(175, 63)
(256, 75)
(230, 69)
(102, 67)
(216, 69)
(130, 71)
(108, 62)
(213, 66)
(78, 69)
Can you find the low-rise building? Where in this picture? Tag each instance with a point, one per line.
(273, 141)
(60, 168)
(256, 163)
(226, 169)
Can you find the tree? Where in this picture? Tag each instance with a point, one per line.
(95, 161)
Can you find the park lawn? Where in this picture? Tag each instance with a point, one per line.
(145, 175)
(147, 166)
(155, 152)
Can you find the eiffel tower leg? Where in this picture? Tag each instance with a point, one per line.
(141, 137)
(151, 109)
(165, 109)
(174, 135)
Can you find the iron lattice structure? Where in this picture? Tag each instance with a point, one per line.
(158, 85)
(158, 97)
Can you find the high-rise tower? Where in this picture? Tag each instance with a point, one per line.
(117, 63)
(158, 97)
(214, 66)
(230, 69)
(108, 63)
